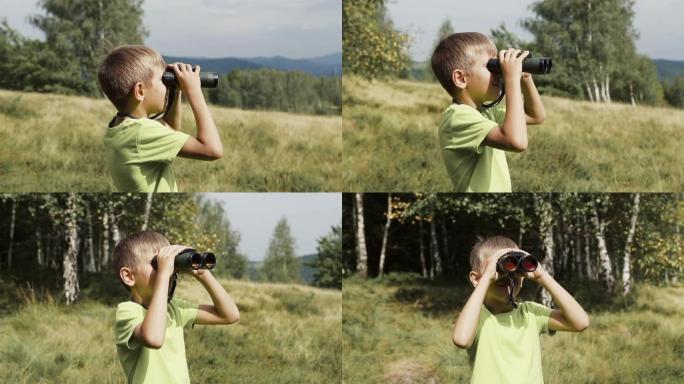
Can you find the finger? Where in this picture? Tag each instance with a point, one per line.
(501, 54)
(188, 67)
(197, 68)
(524, 55)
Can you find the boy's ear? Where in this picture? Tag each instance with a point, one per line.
(474, 278)
(126, 275)
(458, 76)
(139, 91)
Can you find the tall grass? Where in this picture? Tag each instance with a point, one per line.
(401, 333)
(53, 143)
(390, 143)
(286, 334)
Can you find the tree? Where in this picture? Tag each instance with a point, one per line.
(674, 92)
(383, 251)
(362, 252)
(328, 263)
(281, 263)
(370, 45)
(212, 219)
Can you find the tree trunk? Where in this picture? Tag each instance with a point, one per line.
(70, 265)
(385, 235)
(597, 94)
(608, 98)
(626, 269)
(13, 220)
(422, 249)
(589, 93)
(39, 247)
(362, 261)
(631, 95)
(90, 266)
(148, 207)
(436, 258)
(545, 214)
(105, 240)
(446, 257)
(604, 257)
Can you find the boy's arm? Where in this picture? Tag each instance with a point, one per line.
(172, 118)
(206, 145)
(465, 328)
(223, 311)
(571, 317)
(534, 108)
(512, 135)
(152, 330)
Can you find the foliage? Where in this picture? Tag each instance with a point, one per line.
(268, 89)
(213, 219)
(371, 47)
(281, 263)
(328, 263)
(674, 91)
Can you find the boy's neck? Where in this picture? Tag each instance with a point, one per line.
(465, 99)
(496, 307)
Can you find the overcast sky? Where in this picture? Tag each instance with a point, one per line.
(219, 28)
(658, 22)
(255, 215)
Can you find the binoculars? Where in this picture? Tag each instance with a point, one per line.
(516, 261)
(535, 66)
(207, 79)
(191, 259)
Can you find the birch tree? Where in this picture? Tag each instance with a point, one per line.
(626, 267)
(362, 253)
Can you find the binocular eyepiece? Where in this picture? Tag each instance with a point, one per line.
(516, 261)
(207, 79)
(535, 66)
(190, 259)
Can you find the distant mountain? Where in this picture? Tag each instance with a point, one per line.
(669, 69)
(328, 65)
(305, 272)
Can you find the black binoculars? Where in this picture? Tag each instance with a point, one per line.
(535, 66)
(191, 259)
(207, 79)
(516, 261)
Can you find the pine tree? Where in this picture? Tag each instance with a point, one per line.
(281, 263)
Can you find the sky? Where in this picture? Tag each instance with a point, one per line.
(255, 215)
(220, 28)
(658, 22)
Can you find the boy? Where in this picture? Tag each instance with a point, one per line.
(502, 341)
(149, 327)
(139, 151)
(472, 138)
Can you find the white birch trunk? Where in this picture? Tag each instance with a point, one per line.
(626, 268)
(604, 256)
(39, 247)
(13, 220)
(631, 95)
(589, 93)
(385, 235)
(422, 250)
(436, 258)
(70, 266)
(90, 266)
(105, 240)
(362, 261)
(545, 213)
(148, 207)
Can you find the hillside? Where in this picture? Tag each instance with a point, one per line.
(398, 331)
(326, 65)
(56, 145)
(669, 69)
(390, 143)
(286, 334)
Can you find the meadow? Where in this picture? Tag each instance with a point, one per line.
(53, 143)
(397, 330)
(286, 334)
(390, 143)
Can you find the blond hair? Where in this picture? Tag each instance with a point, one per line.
(458, 51)
(123, 68)
(486, 247)
(130, 251)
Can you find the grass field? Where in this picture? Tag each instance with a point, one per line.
(286, 334)
(400, 332)
(53, 143)
(390, 143)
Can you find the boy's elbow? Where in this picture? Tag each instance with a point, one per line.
(461, 343)
(216, 153)
(582, 325)
(232, 319)
(153, 343)
(518, 145)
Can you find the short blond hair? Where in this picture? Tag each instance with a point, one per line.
(486, 247)
(124, 67)
(458, 51)
(130, 251)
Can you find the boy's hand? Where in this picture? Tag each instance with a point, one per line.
(166, 259)
(511, 63)
(188, 80)
(537, 274)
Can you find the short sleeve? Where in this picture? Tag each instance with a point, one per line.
(498, 113)
(466, 129)
(540, 314)
(158, 143)
(128, 316)
(186, 312)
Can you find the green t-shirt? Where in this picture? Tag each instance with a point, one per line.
(139, 154)
(471, 165)
(507, 348)
(146, 365)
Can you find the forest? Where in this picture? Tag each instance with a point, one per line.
(78, 35)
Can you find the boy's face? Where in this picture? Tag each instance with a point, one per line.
(155, 92)
(498, 291)
(145, 276)
(482, 85)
